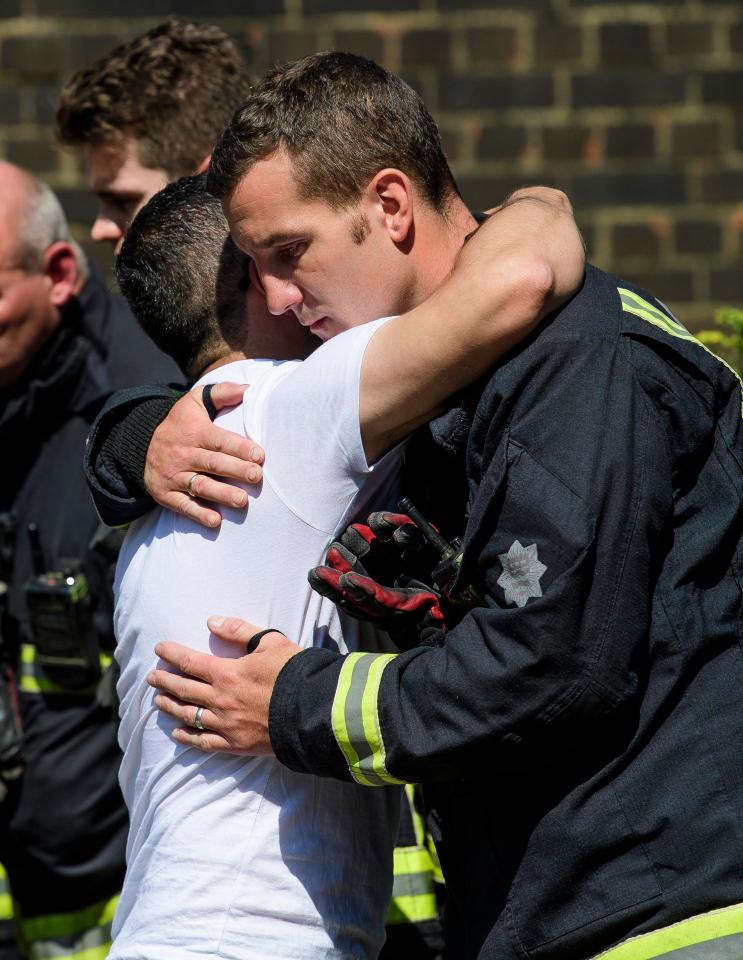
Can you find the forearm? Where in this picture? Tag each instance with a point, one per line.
(522, 264)
(116, 451)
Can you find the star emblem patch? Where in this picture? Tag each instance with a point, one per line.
(522, 570)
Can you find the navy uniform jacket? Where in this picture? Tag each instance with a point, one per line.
(63, 825)
(581, 730)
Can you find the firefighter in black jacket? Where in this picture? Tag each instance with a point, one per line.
(578, 725)
(577, 731)
(66, 345)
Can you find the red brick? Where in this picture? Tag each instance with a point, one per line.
(501, 142)
(625, 44)
(695, 139)
(635, 240)
(492, 45)
(430, 48)
(685, 39)
(557, 43)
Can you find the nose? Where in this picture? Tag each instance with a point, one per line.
(104, 230)
(281, 295)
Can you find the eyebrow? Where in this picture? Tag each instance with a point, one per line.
(116, 194)
(275, 239)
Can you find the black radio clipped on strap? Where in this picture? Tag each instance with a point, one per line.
(60, 611)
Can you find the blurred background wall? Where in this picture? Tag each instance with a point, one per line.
(635, 109)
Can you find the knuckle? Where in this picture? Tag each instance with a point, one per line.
(186, 663)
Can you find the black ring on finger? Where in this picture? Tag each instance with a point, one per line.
(257, 637)
(206, 399)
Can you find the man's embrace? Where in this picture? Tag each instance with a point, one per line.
(280, 863)
(579, 728)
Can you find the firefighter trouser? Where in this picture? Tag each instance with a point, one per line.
(414, 929)
(63, 823)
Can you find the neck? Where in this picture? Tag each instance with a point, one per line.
(439, 238)
(227, 358)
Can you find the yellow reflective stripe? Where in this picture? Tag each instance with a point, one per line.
(419, 827)
(700, 929)
(631, 299)
(355, 719)
(413, 891)
(635, 305)
(54, 925)
(6, 897)
(376, 761)
(338, 710)
(32, 680)
(412, 909)
(407, 860)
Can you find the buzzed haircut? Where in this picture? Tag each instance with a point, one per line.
(341, 118)
(173, 89)
(169, 270)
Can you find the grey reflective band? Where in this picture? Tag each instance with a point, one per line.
(355, 718)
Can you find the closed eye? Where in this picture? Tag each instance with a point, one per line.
(293, 251)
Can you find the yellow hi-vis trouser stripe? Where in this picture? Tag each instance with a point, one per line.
(413, 890)
(33, 680)
(83, 935)
(710, 933)
(355, 718)
(6, 897)
(638, 307)
(415, 874)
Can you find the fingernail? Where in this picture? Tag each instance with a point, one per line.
(253, 474)
(255, 453)
(213, 521)
(240, 499)
(213, 622)
(151, 678)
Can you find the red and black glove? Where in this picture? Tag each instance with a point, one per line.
(368, 574)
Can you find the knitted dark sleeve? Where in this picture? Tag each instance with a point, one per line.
(123, 452)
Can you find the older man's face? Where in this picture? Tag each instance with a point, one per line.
(27, 318)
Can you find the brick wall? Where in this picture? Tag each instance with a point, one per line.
(635, 109)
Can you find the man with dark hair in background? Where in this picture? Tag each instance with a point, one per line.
(149, 112)
(65, 345)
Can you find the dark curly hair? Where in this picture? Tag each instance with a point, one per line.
(173, 88)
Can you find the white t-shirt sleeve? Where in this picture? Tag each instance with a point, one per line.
(308, 424)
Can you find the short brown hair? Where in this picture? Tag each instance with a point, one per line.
(173, 89)
(341, 118)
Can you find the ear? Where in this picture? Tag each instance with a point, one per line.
(391, 192)
(62, 270)
(204, 165)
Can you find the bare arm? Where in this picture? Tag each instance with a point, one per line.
(523, 263)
